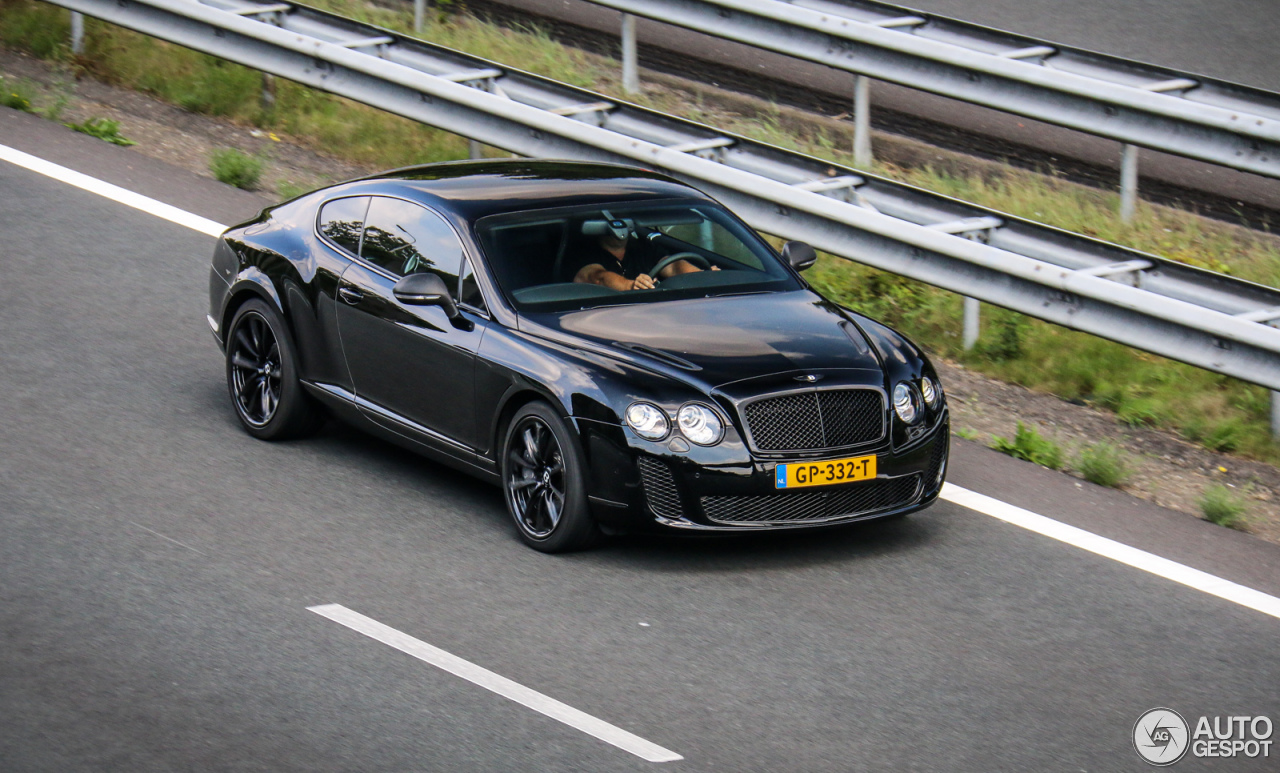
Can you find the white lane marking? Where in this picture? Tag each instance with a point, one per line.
(1116, 551)
(113, 192)
(497, 683)
(1139, 559)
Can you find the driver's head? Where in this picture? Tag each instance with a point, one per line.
(611, 241)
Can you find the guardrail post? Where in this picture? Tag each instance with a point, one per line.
(862, 157)
(419, 14)
(77, 33)
(972, 310)
(1275, 415)
(474, 150)
(268, 90)
(1128, 182)
(630, 65)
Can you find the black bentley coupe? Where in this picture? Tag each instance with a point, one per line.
(612, 347)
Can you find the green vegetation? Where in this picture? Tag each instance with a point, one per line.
(104, 129)
(1103, 463)
(235, 168)
(1143, 389)
(16, 94)
(966, 433)
(1030, 445)
(1222, 506)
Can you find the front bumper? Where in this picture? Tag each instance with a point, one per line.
(643, 486)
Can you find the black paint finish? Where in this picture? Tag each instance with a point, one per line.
(445, 387)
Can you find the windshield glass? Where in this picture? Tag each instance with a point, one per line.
(627, 253)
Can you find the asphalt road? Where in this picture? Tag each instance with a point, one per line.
(1229, 39)
(156, 565)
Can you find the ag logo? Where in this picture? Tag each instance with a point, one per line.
(1160, 736)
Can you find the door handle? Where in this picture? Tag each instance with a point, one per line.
(350, 295)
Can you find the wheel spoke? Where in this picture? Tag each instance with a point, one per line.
(246, 342)
(244, 363)
(515, 457)
(265, 397)
(551, 506)
(523, 483)
(530, 446)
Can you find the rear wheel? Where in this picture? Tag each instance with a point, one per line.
(262, 376)
(543, 482)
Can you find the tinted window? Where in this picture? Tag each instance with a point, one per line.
(342, 219)
(405, 238)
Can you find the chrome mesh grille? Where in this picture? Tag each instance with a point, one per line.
(792, 507)
(937, 458)
(660, 488)
(812, 421)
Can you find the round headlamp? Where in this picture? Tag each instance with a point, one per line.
(648, 421)
(931, 391)
(904, 403)
(700, 424)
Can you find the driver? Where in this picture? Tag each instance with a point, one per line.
(617, 261)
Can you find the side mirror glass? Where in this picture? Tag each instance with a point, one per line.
(800, 255)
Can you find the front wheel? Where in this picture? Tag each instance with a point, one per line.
(262, 376)
(543, 482)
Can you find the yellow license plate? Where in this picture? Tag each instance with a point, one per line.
(801, 474)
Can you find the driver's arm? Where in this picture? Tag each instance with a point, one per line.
(597, 274)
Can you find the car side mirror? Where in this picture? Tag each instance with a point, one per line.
(427, 289)
(800, 255)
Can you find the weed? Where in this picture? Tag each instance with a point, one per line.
(233, 167)
(53, 110)
(966, 433)
(1103, 463)
(1030, 445)
(16, 94)
(104, 129)
(1222, 506)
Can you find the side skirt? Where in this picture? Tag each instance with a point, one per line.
(396, 429)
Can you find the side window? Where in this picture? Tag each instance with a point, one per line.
(405, 238)
(342, 220)
(469, 290)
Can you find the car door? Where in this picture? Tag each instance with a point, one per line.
(407, 362)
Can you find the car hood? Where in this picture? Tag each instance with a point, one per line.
(723, 339)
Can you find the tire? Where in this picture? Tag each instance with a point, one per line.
(543, 482)
(262, 376)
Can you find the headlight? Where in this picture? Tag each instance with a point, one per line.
(904, 403)
(932, 392)
(700, 424)
(648, 421)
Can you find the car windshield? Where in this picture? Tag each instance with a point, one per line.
(627, 253)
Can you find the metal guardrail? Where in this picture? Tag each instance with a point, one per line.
(1195, 316)
(1138, 104)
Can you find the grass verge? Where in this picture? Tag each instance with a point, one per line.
(1219, 412)
(1031, 446)
(1222, 506)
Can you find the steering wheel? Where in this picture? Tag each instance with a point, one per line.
(692, 257)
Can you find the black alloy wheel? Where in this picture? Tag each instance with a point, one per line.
(542, 480)
(262, 376)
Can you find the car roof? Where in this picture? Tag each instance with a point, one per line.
(476, 189)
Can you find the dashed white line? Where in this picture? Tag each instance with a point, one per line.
(497, 683)
(114, 192)
(1071, 535)
(1116, 551)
